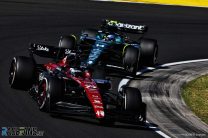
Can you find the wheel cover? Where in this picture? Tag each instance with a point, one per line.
(155, 56)
(125, 100)
(12, 72)
(132, 67)
(42, 94)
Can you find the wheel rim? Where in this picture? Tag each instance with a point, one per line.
(12, 72)
(125, 100)
(155, 56)
(42, 94)
(132, 67)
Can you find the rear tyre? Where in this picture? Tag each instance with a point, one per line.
(22, 73)
(68, 42)
(50, 91)
(149, 52)
(131, 59)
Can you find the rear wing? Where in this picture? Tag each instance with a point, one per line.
(49, 51)
(124, 27)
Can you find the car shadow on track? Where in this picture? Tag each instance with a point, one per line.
(138, 77)
(119, 125)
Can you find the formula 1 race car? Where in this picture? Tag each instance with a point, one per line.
(110, 44)
(61, 86)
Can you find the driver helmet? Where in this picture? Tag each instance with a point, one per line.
(118, 39)
(110, 37)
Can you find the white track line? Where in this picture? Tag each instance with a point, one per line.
(125, 82)
(112, 66)
(157, 130)
(183, 62)
(162, 134)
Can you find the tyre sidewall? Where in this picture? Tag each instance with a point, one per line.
(24, 72)
(54, 91)
(132, 99)
(149, 52)
(131, 59)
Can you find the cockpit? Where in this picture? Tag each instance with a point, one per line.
(112, 38)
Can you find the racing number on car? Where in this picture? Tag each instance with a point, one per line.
(90, 86)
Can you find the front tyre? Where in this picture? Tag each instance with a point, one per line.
(49, 93)
(22, 73)
(132, 101)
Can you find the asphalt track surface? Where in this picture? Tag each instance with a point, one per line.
(161, 90)
(182, 34)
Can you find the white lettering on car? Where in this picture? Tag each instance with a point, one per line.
(42, 48)
(100, 113)
(127, 26)
(90, 86)
(67, 51)
(97, 101)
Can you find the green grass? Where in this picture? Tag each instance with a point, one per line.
(195, 94)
